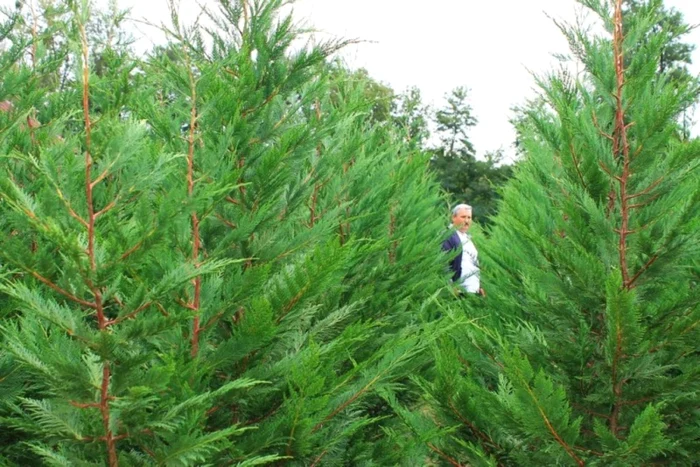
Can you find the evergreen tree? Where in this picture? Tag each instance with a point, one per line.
(88, 327)
(209, 256)
(585, 351)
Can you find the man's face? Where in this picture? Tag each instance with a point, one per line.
(462, 220)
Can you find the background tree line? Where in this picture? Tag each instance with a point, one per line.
(443, 133)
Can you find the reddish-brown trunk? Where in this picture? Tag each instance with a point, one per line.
(102, 321)
(196, 240)
(621, 150)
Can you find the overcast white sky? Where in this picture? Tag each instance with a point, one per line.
(486, 45)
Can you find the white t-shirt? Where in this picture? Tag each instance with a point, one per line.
(470, 264)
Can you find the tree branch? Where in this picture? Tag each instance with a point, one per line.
(62, 291)
(648, 264)
(130, 315)
(449, 459)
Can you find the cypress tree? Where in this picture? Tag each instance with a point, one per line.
(585, 351)
(210, 255)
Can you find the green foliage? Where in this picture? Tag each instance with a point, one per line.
(585, 350)
(208, 255)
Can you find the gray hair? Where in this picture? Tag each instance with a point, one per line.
(459, 207)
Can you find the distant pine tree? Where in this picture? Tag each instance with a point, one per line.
(461, 174)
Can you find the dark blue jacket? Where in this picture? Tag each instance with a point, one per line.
(454, 243)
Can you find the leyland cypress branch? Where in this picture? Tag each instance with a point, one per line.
(345, 404)
(62, 291)
(596, 124)
(319, 458)
(107, 208)
(130, 315)
(646, 266)
(452, 461)
(471, 426)
(555, 434)
(647, 190)
(577, 165)
(68, 206)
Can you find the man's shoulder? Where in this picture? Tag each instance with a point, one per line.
(453, 241)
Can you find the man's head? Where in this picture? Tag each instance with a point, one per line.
(462, 217)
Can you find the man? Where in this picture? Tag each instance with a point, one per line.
(465, 266)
